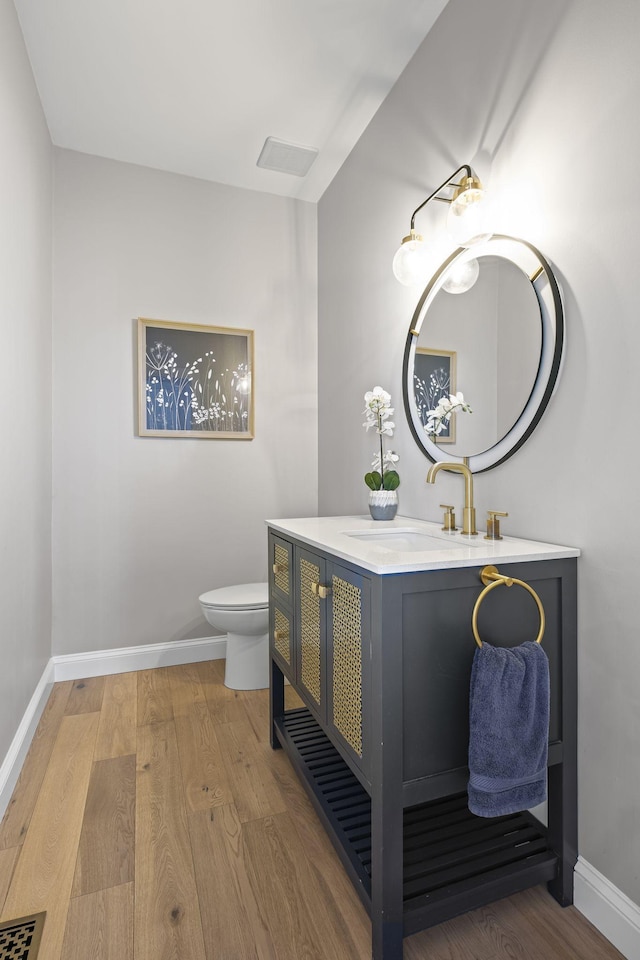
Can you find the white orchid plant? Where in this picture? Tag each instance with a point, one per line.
(438, 419)
(377, 410)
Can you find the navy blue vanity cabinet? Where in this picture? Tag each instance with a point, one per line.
(382, 663)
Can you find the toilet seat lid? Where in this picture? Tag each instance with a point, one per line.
(242, 596)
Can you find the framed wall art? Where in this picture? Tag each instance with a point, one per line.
(194, 381)
(435, 377)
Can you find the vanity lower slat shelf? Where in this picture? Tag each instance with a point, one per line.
(346, 811)
(453, 860)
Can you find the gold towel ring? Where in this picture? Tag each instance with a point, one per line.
(492, 579)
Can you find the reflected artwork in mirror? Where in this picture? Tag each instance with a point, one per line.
(499, 344)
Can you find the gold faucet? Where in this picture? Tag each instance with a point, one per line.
(469, 513)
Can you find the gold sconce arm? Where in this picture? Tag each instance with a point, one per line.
(463, 185)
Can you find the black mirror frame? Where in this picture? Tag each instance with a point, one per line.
(545, 286)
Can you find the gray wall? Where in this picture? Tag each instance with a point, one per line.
(142, 526)
(544, 96)
(25, 336)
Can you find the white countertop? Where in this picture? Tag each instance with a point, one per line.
(396, 546)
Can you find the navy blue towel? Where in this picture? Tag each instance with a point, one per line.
(508, 729)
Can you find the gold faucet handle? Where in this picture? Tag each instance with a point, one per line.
(493, 524)
(449, 518)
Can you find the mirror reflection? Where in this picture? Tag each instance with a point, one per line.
(498, 343)
(485, 343)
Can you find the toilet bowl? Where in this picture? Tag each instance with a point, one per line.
(242, 612)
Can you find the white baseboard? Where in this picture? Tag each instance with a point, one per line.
(100, 663)
(611, 911)
(12, 763)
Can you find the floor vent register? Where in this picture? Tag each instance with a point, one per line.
(20, 939)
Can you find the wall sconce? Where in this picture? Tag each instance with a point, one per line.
(465, 224)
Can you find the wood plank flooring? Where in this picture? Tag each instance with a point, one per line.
(152, 821)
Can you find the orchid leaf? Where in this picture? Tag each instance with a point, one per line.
(391, 480)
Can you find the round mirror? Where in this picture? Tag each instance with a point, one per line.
(493, 333)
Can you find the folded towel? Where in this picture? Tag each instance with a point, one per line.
(508, 729)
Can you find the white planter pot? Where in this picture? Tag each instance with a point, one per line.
(383, 504)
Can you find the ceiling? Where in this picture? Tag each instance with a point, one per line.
(196, 86)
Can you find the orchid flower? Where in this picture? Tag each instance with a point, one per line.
(440, 417)
(389, 460)
(377, 410)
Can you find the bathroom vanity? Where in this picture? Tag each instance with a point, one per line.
(371, 622)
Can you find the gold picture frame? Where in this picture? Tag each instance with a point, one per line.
(195, 381)
(434, 377)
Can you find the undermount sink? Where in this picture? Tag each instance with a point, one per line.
(408, 539)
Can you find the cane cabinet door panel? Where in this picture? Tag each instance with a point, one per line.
(310, 629)
(348, 662)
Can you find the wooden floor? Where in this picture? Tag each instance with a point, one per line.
(152, 821)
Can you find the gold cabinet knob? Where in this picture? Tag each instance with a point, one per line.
(320, 590)
(280, 635)
(279, 567)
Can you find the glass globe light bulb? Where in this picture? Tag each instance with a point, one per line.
(411, 262)
(468, 214)
(461, 276)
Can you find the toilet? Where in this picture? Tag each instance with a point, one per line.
(242, 612)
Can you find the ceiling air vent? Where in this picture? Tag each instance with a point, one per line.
(286, 157)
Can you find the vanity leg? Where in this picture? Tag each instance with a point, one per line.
(386, 882)
(386, 780)
(563, 830)
(276, 702)
(563, 777)
(386, 871)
